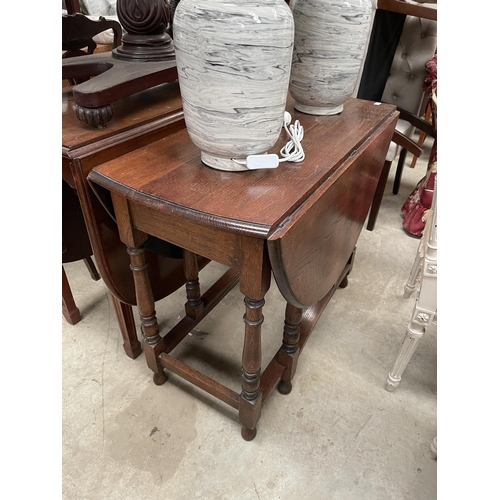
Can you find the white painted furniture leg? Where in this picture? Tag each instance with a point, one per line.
(411, 284)
(414, 333)
(433, 448)
(425, 308)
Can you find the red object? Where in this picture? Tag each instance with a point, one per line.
(418, 203)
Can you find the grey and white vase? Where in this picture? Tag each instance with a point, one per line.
(233, 61)
(329, 46)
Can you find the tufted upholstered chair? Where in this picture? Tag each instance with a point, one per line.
(403, 87)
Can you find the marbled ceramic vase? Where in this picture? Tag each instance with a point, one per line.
(329, 46)
(233, 61)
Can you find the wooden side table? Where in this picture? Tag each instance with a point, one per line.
(138, 120)
(299, 222)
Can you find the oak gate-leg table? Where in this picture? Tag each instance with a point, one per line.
(299, 222)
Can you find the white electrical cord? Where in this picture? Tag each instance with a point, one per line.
(292, 151)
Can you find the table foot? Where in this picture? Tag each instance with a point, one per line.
(96, 117)
(126, 323)
(69, 309)
(248, 434)
(72, 316)
(284, 387)
(349, 265)
(132, 351)
(344, 282)
(160, 378)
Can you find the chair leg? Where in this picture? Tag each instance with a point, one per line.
(377, 197)
(399, 171)
(94, 273)
(414, 333)
(69, 309)
(411, 284)
(125, 316)
(423, 135)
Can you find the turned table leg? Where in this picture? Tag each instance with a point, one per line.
(251, 395)
(289, 352)
(194, 304)
(255, 280)
(134, 239)
(147, 313)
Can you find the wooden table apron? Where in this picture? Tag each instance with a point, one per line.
(300, 222)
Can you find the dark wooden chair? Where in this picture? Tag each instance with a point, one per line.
(71, 6)
(78, 32)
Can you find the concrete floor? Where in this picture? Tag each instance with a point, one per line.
(338, 435)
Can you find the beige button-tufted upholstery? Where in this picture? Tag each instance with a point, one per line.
(403, 88)
(417, 44)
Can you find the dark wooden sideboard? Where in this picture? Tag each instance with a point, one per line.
(138, 120)
(299, 222)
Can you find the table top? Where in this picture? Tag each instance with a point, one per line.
(131, 115)
(169, 175)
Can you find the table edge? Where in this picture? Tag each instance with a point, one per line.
(214, 221)
(89, 147)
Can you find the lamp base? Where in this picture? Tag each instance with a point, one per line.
(318, 110)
